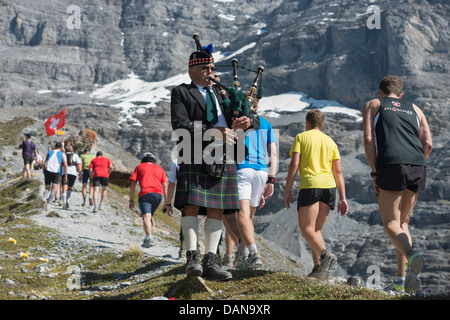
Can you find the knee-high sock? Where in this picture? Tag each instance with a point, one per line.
(213, 231)
(189, 227)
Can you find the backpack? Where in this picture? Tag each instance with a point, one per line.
(70, 159)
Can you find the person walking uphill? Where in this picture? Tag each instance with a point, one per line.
(195, 109)
(86, 158)
(29, 152)
(55, 160)
(153, 185)
(256, 178)
(397, 142)
(99, 170)
(73, 169)
(316, 157)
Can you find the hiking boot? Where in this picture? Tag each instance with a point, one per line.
(212, 268)
(327, 260)
(193, 264)
(147, 243)
(91, 202)
(413, 268)
(315, 271)
(242, 263)
(239, 255)
(227, 261)
(398, 287)
(254, 261)
(95, 210)
(83, 204)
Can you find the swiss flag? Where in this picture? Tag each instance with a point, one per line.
(55, 122)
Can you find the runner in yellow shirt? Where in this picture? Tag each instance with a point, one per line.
(86, 159)
(316, 157)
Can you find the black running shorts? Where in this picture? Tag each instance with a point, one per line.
(103, 181)
(70, 180)
(27, 159)
(51, 177)
(308, 197)
(398, 177)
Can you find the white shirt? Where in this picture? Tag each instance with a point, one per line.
(54, 160)
(72, 170)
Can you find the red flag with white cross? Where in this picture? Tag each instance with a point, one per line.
(55, 122)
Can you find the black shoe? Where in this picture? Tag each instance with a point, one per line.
(193, 264)
(212, 268)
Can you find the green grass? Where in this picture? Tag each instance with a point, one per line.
(10, 131)
(21, 197)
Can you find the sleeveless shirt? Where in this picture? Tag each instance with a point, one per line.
(397, 133)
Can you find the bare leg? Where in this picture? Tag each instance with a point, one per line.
(311, 220)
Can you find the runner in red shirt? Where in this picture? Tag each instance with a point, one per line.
(99, 170)
(153, 184)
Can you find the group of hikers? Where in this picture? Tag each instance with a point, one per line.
(397, 142)
(62, 167)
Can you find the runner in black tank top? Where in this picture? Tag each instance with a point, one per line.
(397, 141)
(397, 133)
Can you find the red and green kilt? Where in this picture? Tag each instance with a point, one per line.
(195, 186)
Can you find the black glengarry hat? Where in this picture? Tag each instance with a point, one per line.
(202, 57)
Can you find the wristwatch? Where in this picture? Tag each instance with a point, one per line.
(373, 174)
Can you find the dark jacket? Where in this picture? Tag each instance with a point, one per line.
(188, 111)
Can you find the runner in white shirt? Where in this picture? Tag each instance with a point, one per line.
(73, 169)
(52, 168)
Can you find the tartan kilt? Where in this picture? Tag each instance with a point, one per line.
(195, 186)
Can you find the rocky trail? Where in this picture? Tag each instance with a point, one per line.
(112, 227)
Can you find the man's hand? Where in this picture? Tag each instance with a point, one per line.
(375, 187)
(228, 135)
(242, 123)
(167, 209)
(342, 207)
(268, 190)
(288, 199)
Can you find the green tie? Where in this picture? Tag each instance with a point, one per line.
(211, 110)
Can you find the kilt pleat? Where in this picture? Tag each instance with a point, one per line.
(195, 186)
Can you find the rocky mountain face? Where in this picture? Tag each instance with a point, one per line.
(54, 55)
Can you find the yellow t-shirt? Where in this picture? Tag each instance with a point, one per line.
(86, 159)
(317, 152)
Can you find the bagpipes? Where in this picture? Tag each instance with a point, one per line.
(236, 103)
